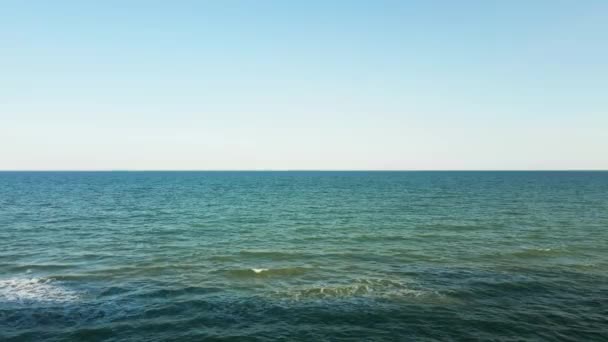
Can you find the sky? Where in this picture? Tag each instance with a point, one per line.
(283, 85)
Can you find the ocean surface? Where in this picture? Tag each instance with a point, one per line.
(321, 256)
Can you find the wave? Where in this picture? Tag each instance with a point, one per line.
(450, 227)
(126, 271)
(536, 252)
(28, 268)
(35, 290)
(174, 292)
(273, 255)
(260, 255)
(358, 288)
(267, 272)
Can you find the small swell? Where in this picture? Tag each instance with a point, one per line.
(179, 292)
(358, 288)
(536, 253)
(272, 255)
(39, 267)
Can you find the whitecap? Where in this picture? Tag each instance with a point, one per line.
(259, 270)
(34, 290)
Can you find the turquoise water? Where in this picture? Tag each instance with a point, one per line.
(303, 256)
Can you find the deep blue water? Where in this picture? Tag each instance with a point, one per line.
(155, 256)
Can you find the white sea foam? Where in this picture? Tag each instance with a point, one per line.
(259, 270)
(34, 290)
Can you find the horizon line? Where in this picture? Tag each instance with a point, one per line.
(302, 170)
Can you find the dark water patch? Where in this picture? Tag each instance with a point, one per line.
(350, 314)
(79, 277)
(167, 292)
(113, 291)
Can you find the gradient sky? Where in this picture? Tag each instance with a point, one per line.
(303, 85)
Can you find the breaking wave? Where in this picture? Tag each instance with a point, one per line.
(35, 290)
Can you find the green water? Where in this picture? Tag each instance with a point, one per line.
(155, 256)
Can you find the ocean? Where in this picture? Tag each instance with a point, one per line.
(301, 256)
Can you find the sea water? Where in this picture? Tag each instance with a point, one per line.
(157, 256)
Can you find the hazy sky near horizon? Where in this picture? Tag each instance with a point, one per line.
(303, 85)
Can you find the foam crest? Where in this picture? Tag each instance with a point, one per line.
(34, 290)
(267, 272)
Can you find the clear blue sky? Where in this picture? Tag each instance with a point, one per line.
(304, 85)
